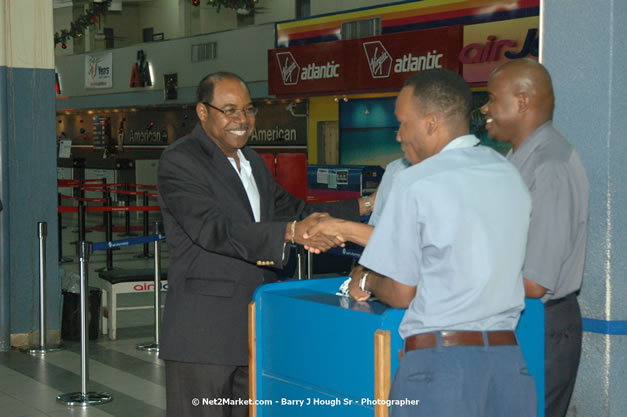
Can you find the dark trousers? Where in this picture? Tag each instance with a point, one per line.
(206, 390)
(562, 349)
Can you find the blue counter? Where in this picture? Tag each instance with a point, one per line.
(313, 352)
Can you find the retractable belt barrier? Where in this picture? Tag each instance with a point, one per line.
(43, 348)
(120, 243)
(107, 209)
(84, 397)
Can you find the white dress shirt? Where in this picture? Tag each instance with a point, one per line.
(248, 181)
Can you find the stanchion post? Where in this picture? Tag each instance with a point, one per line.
(81, 222)
(108, 217)
(82, 230)
(300, 261)
(81, 190)
(105, 194)
(154, 347)
(127, 214)
(84, 398)
(146, 252)
(109, 232)
(59, 204)
(62, 259)
(42, 233)
(309, 265)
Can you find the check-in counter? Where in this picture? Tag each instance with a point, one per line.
(315, 353)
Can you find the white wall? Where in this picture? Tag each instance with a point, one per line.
(179, 18)
(126, 31)
(205, 19)
(275, 11)
(163, 16)
(330, 6)
(243, 51)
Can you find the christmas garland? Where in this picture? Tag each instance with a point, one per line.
(77, 27)
(229, 4)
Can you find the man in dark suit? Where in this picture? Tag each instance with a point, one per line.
(227, 223)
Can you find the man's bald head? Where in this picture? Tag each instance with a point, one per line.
(531, 78)
(520, 100)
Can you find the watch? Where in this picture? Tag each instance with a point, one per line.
(362, 283)
(368, 204)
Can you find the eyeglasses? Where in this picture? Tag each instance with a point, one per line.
(233, 113)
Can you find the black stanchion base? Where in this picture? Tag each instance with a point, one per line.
(39, 350)
(65, 260)
(148, 347)
(84, 399)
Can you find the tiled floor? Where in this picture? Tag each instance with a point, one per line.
(136, 379)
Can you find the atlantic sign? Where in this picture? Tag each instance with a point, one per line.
(380, 63)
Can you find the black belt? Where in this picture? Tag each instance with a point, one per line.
(557, 301)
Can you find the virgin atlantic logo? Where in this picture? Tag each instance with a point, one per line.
(379, 59)
(290, 70)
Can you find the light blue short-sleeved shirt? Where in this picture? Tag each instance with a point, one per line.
(455, 226)
(391, 170)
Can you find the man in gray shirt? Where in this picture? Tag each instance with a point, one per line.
(519, 111)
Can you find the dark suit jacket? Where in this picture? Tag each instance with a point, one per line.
(215, 247)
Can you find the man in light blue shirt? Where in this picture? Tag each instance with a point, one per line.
(357, 232)
(449, 247)
(383, 190)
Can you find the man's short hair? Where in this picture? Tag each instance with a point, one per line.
(204, 91)
(443, 91)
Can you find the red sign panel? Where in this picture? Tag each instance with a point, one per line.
(378, 63)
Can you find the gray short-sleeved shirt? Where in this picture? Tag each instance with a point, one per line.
(559, 189)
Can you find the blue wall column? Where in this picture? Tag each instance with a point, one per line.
(28, 167)
(586, 54)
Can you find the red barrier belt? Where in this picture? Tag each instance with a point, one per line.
(97, 200)
(95, 190)
(150, 187)
(102, 190)
(68, 209)
(138, 208)
(76, 182)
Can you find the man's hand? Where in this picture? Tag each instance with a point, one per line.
(327, 226)
(388, 291)
(353, 287)
(341, 230)
(315, 243)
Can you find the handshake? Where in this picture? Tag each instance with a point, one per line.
(318, 232)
